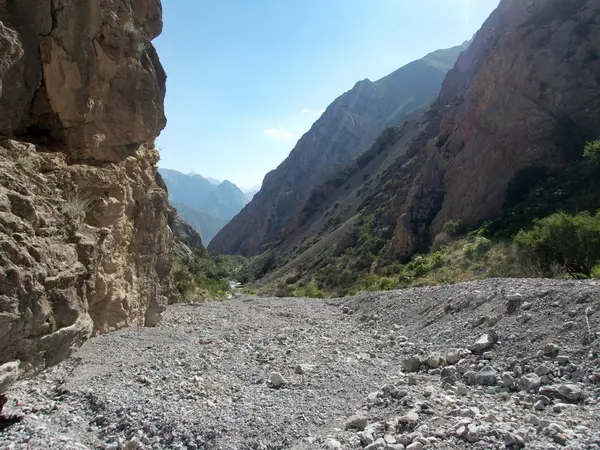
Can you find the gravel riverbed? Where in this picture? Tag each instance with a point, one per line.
(489, 364)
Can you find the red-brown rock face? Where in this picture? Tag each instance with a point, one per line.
(525, 95)
(84, 242)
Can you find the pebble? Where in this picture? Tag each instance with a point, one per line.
(356, 422)
(487, 376)
(551, 350)
(530, 382)
(411, 364)
(188, 396)
(276, 380)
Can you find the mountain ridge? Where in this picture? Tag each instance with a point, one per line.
(347, 127)
(501, 115)
(207, 207)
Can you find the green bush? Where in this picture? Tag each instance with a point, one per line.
(596, 272)
(454, 228)
(592, 151)
(570, 241)
(419, 266)
(310, 290)
(477, 248)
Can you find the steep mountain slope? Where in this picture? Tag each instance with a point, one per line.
(518, 105)
(348, 126)
(204, 223)
(85, 246)
(251, 192)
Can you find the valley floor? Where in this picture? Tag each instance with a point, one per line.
(201, 379)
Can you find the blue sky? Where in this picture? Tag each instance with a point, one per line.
(246, 78)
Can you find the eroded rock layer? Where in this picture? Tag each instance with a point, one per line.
(85, 247)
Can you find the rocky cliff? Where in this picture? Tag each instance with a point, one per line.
(523, 99)
(84, 243)
(348, 127)
(518, 106)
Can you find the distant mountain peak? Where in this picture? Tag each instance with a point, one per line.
(207, 205)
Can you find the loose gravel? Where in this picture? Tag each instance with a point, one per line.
(489, 364)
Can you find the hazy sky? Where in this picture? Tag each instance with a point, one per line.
(246, 78)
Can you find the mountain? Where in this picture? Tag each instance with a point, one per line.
(348, 127)
(225, 201)
(516, 109)
(251, 192)
(186, 189)
(213, 181)
(202, 204)
(204, 223)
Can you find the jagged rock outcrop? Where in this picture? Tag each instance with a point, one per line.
(85, 247)
(348, 126)
(186, 238)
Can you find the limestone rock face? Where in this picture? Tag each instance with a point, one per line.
(82, 74)
(85, 247)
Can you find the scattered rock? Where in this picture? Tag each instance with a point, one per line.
(551, 350)
(333, 444)
(487, 376)
(356, 422)
(513, 303)
(508, 380)
(453, 356)
(379, 443)
(276, 380)
(570, 392)
(485, 342)
(435, 360)
(530, 382)
(411, 364)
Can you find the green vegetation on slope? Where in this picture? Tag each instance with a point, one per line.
(205, 276)
(549, 228)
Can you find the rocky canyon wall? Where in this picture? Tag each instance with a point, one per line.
(85, 247)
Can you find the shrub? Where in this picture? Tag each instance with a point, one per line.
(477, 248)
(592, 151)
(310, 290)
(596, 272)
(29, 162)
(454, 228)
(75, 206)
(419, 266)
(183, 281)
(572, 242)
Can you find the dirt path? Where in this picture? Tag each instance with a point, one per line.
(201, 380)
